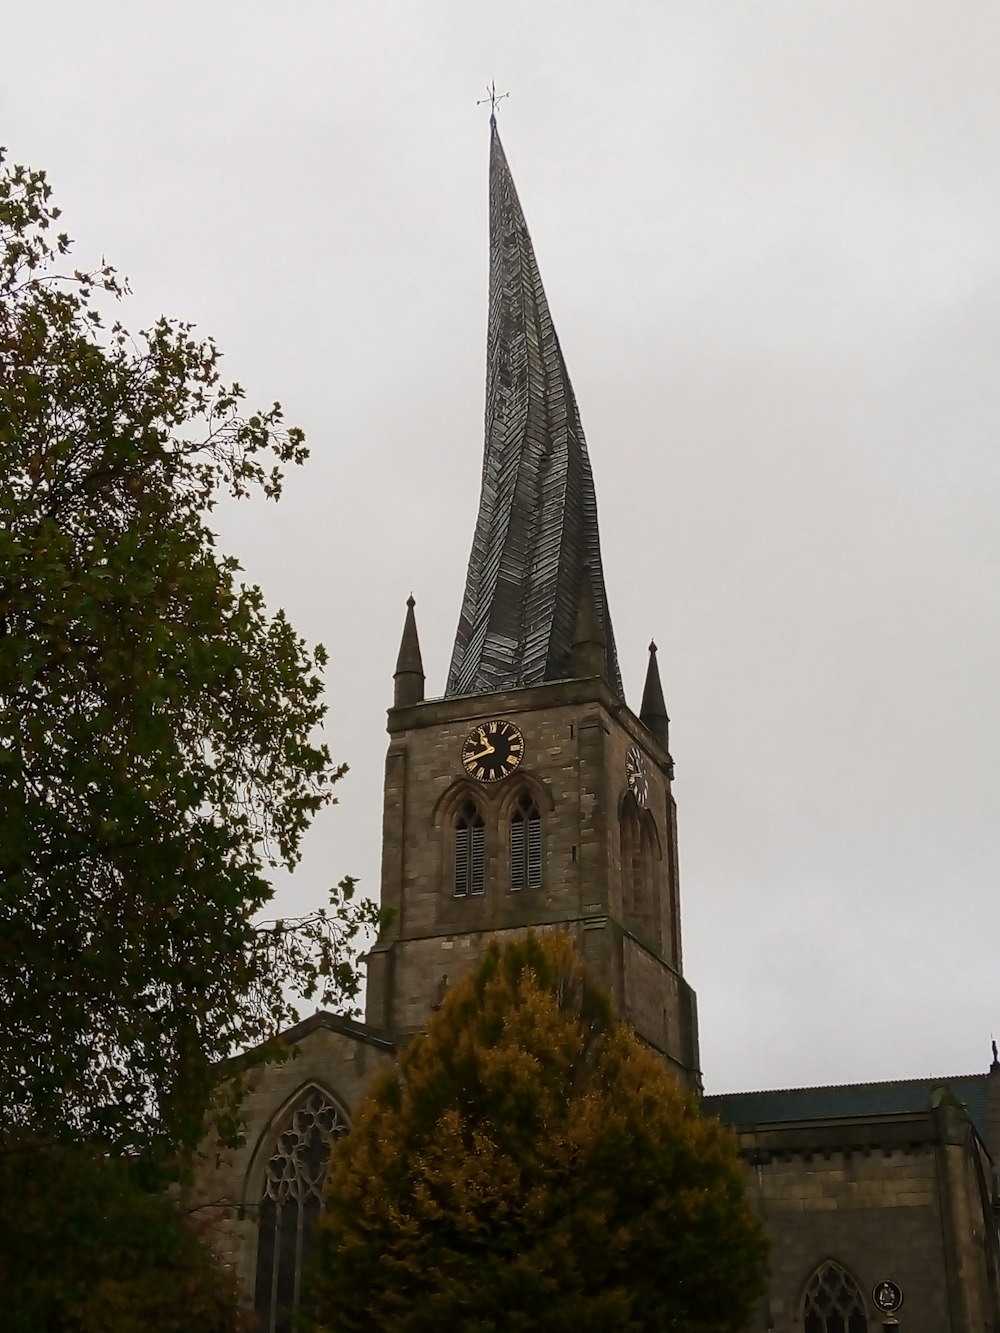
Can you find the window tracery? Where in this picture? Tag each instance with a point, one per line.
(833, 1302)
(292, 1197)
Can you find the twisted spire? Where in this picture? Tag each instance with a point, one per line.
(536, 537)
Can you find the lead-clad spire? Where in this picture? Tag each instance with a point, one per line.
(536, 535)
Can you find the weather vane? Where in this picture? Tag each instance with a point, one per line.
(493, 97)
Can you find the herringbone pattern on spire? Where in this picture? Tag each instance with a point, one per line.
(536, 536)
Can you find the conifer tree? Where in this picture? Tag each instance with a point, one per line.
(533, 1165)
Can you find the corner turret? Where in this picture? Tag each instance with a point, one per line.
(653, 712)
(408, 678)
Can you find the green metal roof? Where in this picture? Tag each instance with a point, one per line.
(778, 1105)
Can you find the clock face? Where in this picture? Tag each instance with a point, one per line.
(492, 751)
(635, 775)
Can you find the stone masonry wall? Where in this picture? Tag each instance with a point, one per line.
(575, 739)
(877, 1213)
(898, 1197)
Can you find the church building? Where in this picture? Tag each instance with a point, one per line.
(529, 794)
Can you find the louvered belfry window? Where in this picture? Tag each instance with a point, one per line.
(526, 846)
(833, 1302)
(470, 852)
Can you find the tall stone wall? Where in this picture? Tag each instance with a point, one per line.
(897, 1198)
(576, 735)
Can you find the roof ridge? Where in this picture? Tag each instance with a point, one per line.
(832, 1087)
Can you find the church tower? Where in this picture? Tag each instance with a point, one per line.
(529, 795)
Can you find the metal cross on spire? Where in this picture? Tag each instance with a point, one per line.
(493, 97)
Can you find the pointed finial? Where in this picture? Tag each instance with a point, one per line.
(996, 1063)
(653, 712)
(493, 97)
(408, 679)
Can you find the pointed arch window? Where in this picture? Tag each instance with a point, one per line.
(631, 858)
(292, 1197)
(526, 845)
(833, 1302)
(470, 852)
(640, 862)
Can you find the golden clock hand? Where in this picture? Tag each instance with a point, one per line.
(481, 754)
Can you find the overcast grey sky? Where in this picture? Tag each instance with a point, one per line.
(770, 236)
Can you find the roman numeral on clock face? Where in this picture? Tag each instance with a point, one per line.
(493, 750)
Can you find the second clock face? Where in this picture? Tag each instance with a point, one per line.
(492, 751)
(635, 775)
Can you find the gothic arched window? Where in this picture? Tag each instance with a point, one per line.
(470, 852)
(526, 845)
(631, 857)
(640, 863)
(292, 1197)
(833, 1302)
(647, 891)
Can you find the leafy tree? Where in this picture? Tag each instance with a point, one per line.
(157, 751)
(88, 1244)
(530, 1165)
